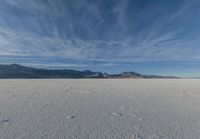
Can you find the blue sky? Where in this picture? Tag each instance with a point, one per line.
(148, 36)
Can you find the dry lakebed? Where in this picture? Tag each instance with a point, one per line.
(100, 109)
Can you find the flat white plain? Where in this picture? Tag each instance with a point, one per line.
(100, 109)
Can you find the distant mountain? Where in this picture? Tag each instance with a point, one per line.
(18, 71)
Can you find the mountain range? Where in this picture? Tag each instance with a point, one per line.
(15, 71)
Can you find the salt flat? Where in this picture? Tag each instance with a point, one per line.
(100, 109)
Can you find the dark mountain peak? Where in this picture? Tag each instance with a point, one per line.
(12, 66)
(88, 71)
(18, 71)
(130, 73)
(15, 65)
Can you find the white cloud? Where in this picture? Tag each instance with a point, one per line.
(40, 34)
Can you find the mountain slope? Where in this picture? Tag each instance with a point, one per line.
(18, 71)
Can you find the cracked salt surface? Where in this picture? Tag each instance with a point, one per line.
(99, 109)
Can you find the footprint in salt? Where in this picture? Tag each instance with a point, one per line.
(137, 136)
(71, 117)
(4, 120)
(67, 90)
(141, 119)
(91, 93)
(133, 115)
(44, 136)
(21, 105)
(125, 107)
(117, 114)
(185, 94)
(8, 92)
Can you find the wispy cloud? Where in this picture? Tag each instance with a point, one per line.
(100, 30)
